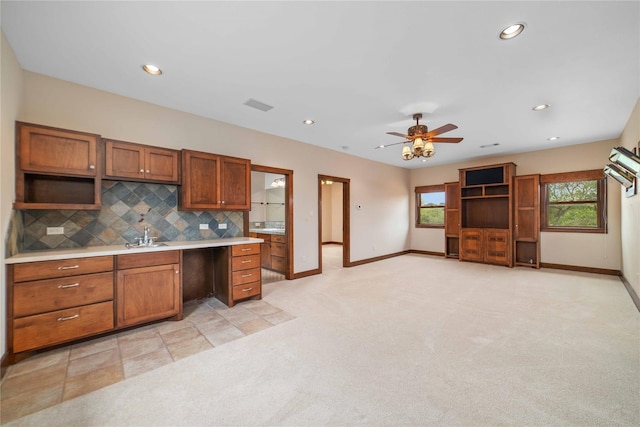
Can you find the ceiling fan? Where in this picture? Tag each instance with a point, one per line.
(422, 139)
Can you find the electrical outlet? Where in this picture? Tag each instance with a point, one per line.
(55, 230)
(222, 226)
(204, 226)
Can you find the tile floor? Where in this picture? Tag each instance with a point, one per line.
(51, 377)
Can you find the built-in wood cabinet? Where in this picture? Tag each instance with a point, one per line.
(126, 160)
(148, 287)
(527, 220)
(56, 168)
(52, 302)
(237, 273)
(273, 251)
(452, 219)
(213, 182)
(486, 214)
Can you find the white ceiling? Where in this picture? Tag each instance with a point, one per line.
(359, 69)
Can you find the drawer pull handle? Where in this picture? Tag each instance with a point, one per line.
(62, 319)
(245, 262)
(247, 275)
(246, 249)
(68, 267)
(72, 285)
(247, 289)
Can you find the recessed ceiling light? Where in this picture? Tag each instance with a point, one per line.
(511, 31)
(308, 122)
(553, 138)
(541, 107)
(152, 69)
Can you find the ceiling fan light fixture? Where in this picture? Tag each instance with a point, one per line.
(418, 146)
(407, 154)
(429, 149)
(512, 31)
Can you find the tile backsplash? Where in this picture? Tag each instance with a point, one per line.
(127, 207)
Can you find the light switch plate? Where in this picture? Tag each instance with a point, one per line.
(204, 226)
(55, 230)
(222, 226)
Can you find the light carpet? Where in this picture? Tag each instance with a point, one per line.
(412, 340)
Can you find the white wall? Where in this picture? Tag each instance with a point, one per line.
(382, 189)
(578, 249)
(10, 104)
(630, 209)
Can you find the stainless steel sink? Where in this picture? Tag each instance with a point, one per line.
(149, 245)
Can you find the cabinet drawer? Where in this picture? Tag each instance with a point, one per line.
(278, 264)
(148, 259)
(278, 249)
(245, 276)
(56, 294)
(278, 238)
(61, 268)
(52, 328)
(245, 262)
(250, 249)
(246, 290)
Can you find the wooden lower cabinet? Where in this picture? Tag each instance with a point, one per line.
(237, 273)
(485, 245)
(148, 287)
(53, 302)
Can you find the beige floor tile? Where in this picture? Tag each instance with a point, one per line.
(182, 349)
(146, 362)
(237, 315)
(279, 317)
(39, 361)
(92, 380)
(130, 348)
(92, 347)
(138, 333)
(195, 307)
(28, 403)
(34, 381)
(214, 325)
(259, 307)
(180, 335)
(93, 362)
(255, 325)
(224, 335)
(215, 303)
(203, 317)
(169, 326)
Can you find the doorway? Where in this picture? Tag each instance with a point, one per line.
(333, 222)
(274, 214)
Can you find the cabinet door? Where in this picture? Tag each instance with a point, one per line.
(200, 189)
(497, 246)
(236, 184)
(161, 164)
(452, 209)
(57, 151)
(527, 211)
(123, 160)
(147, 293)
(471, 248)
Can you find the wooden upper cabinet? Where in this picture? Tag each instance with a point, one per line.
(452, 209)
(57, 151)
(235, 191)
(126, 160)
(213, 182)
(527, 207)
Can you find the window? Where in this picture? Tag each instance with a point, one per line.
(430, 206)
(574, 202)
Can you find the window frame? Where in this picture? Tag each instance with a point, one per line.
(601, 201)
(439, 188)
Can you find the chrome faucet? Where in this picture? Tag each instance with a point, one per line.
(145, 239)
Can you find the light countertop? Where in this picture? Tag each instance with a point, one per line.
(278, 231)
(91, 251)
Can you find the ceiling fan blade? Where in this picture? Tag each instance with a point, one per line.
(389, 145)
(442, 129)
(454, 140)
(398, 134)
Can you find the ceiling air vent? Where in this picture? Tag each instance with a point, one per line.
(258, 105)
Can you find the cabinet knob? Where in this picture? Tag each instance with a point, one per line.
(92, 167)
(177, 271)
(147, 170)
(141, 170)
(223, 202)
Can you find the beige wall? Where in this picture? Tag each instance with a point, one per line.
(579, 249)
(11, 90)
(62, 104)
(332, 212)
(630, 209)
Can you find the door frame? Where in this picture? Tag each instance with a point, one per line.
(288, 212)
(346, 215)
